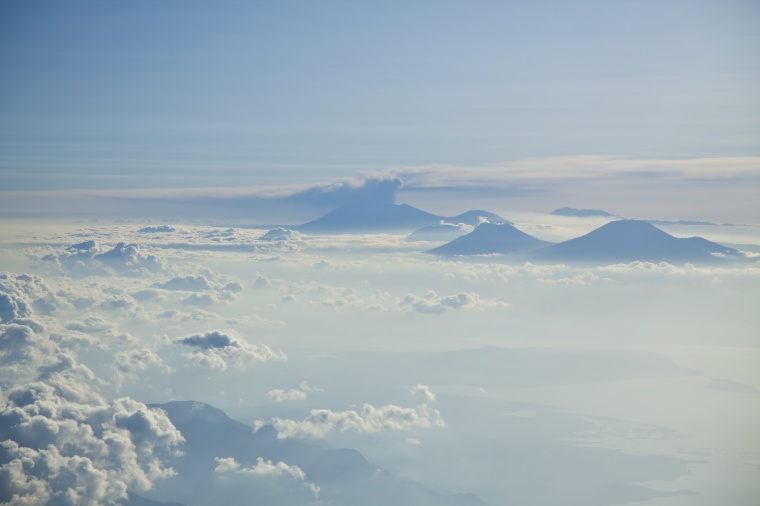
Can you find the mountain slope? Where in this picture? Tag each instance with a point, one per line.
(344, 476)
(632, 240)
(443, 232)
(371, 217)
(490, 238)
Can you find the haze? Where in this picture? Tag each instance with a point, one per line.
(413, 253)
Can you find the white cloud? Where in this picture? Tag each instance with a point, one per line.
(578, 279)
(88, 257)
(280, 234)
(370, 419)
(423, 391)
(432, 303)
(62, 442)
(189, 283)
(294, 394)
(280, 395)
(65, 452)
(265, 469)
(217, 349)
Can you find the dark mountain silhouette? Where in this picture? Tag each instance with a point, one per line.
(343, 475)
(490, 238)
(371, 217)
(631, 240)
(582, 213)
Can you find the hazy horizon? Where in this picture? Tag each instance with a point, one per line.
(173, 331)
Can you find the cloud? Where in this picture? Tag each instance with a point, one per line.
(291, 202)
(64, 452)
(129, 361)
(23, 350)
(157, 229)
(62, 443)
(175, 315)
(370, 420)
(218, 349)
(432, 303)
(294, 394)
(280, 234)
(555, 170)
(423, 391)
(264, 469)
(186, 283)
(89, 257)
(578, 279)
(20, 294)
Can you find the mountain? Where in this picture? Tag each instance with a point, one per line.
(360, 217)
(631, 240)
(443, 232)
(344, 476)
(581, 213)
(476, 217)
(456, 226)
(490, 238)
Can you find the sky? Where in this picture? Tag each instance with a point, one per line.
(170, 334)
(146, 95)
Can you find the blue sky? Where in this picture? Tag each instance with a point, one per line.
(175, 94)
(150, 151)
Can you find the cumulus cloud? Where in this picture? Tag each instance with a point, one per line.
(217, 349)
(88, 257)
(432, 303)
(157, 229)
(96, 327)
(188, 283)
(20, 294)
(129, 361)
(370, 419)
(280, 234)
(62, 443)
(423, 391)
(57, 450)
(264, 469)
(294, 394)
(23, 350)
(201, 289)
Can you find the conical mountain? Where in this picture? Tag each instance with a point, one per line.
(360, 217)
(489, 238)
(632, 240)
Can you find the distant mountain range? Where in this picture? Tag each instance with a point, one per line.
(344, 476)
(617, 241)
(368, 217)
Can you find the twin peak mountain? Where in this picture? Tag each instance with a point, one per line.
(617, 241)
